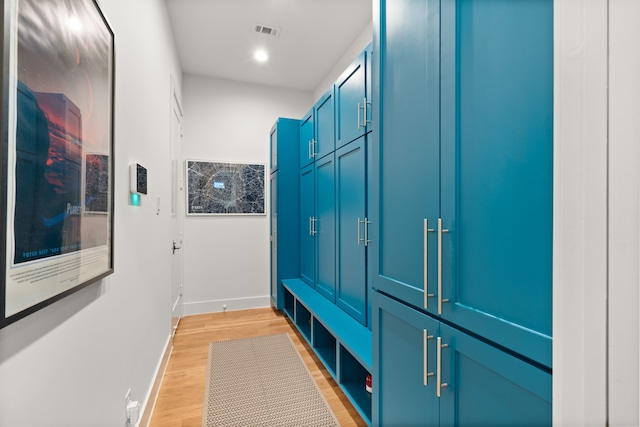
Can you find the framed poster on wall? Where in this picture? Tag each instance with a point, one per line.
(215, 188)
(57, 152)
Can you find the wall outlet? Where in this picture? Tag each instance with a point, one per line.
(127, 404)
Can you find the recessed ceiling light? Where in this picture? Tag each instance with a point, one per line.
(260, 56)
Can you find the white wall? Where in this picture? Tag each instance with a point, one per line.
(227, 259)
(596, 213)
(624, 215)
(71, 363)
(358, 45)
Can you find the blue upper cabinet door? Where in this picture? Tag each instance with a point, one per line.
(306, 139)
(324, 141)
(307, 226)
(405, 151)
(497, 171)
(351, 235)
(486, 386)
(404, 366)
(368, 52)
(350, 103)
(273, 139)
(325, 227)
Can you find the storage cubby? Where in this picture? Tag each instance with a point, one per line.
(342, 343)
(353, 380)
(303, 320)
(289, 302)
(324, 344)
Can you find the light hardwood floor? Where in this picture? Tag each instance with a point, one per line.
(181, 395)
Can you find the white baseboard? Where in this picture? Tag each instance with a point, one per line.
(203, 307)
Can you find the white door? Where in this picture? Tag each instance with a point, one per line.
(176, 213)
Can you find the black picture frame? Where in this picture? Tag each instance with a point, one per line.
(58, 77)
(221, 188)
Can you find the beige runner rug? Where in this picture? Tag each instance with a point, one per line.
(262, 381)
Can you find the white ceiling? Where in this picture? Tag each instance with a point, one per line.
(217, 38)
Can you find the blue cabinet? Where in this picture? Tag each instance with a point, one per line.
(317, 226)
(317, 133)
(405, 179)
(462, 165)
(307, 226)
(427, 373)
(351, 229)
(497, 170)
(307, 140)
(284, 206)
(325, 229)
(353, 100)
(324, 132)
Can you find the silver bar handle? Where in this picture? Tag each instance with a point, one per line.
(425, 360)
(359, 239)
(425, 252)
(439, 384)
(366, 232)
(440, 232)
(314, 221)
(309, 149)
(311, 226)
(366, 121)
(359, 123)
(313, 148)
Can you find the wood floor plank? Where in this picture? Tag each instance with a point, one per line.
(181, 396)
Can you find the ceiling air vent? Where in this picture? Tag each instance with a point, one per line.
(267, 30)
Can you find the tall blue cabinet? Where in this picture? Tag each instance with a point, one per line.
(329, 302)
(461, 220)
(284, 206)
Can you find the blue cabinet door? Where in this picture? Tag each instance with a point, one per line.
(273, 143)
(405, 151)
(351, 244)
(307, 226)
(324, 126)
(368, 58)
(350, 102)
(497, 171)
(486, 386)
(404, 362)
(325, 227)
(467, 152)
(306, 138)
(426, 373)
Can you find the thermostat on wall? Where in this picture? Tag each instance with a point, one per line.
(138, 178)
